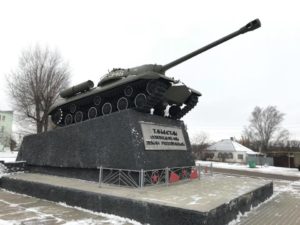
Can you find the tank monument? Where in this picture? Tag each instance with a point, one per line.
(128, 131)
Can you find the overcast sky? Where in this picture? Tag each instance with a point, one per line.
(259, 68)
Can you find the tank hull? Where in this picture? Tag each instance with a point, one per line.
(150, 92)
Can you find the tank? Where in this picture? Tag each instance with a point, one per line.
(144, 88)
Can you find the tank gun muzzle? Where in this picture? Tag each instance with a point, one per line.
(249, 27)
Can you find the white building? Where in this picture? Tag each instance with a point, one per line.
(228, 150)
(6, 118)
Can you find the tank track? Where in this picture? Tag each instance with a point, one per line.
(190, 104)
(149, 101)
(155, 97)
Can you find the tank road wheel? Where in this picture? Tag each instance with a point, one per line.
(68, 119)
(174, 110)
(128, 91)
(72, 108)
(140, 100)
(122, 103)
(97, 100)
(92, 113)
(106, 108)
(151, 86)
(159, 110)
(57, 116)
(78, 117)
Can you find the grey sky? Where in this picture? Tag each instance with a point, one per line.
(258, 68)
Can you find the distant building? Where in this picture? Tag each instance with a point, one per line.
(228, 150)
(6, 120)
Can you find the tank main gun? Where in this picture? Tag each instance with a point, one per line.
(117, 74)
(249, 27)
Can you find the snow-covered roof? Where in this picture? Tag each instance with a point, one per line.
(228, 145)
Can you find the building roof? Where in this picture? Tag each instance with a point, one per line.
(228, 145)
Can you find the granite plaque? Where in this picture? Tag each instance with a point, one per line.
(161, 137)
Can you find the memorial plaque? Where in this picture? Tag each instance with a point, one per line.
(161, 137)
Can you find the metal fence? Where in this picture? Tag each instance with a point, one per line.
(206, 169)
(142, 178)
(260, 160)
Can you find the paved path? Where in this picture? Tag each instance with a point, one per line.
(283, 208)
(17, 209)
(256, 174)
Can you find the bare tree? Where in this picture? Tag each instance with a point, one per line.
(293, 145)
(199, 143)
(264, 126)
(35, 85)
(282, 138)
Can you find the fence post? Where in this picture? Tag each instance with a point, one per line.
(167, 175)
(141, 178)
(100, 175)
(211, 169)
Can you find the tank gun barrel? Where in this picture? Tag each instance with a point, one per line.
(249, 27)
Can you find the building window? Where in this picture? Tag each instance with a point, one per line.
(230, 156)
(209, 155)
(2, 129)
(241, 157)
(3, 118)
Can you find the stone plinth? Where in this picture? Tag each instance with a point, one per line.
(114, 141)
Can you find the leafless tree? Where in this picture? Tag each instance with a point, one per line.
(294, 145)
(199, 143)
(282, 138)
(34, 86)
(264, 126)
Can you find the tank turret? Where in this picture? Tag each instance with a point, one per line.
(144, 88)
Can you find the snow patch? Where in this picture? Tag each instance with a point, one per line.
(277, 191)
(112, 219)
(94, 222)
(3, 170)
(8, 156)
(11, 222)
(137, 137)
(259, 169)
(195, 198)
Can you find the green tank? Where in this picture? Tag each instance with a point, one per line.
(144, 88)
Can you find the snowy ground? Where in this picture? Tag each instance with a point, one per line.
(19, 209)
(283, 191)
(260, 169)
(8, 156)
(46, 212)
(285, 199)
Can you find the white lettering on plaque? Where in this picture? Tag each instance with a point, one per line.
(160, 137)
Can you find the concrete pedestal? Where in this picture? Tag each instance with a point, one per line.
(214, 200)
